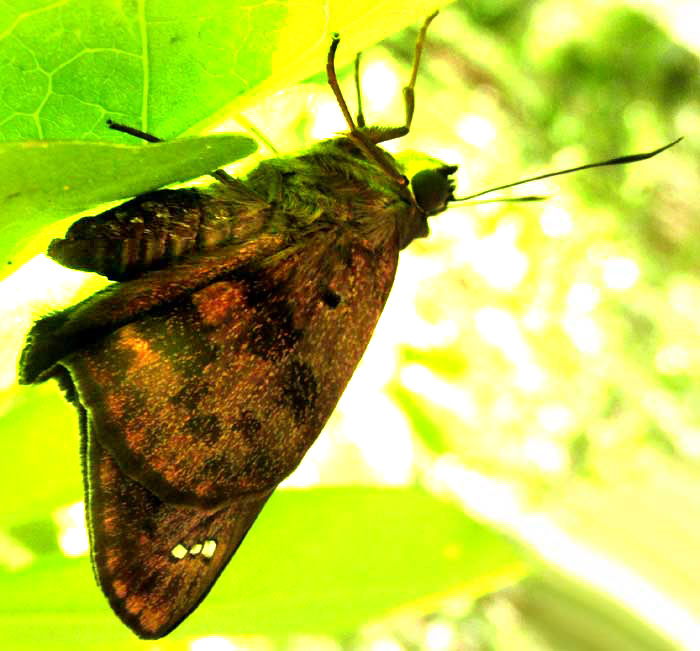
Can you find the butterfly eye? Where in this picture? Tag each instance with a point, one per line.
(433, 188)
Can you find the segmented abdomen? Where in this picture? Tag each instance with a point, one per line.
(149, 232)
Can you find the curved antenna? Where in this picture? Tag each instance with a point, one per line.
(620, 160)
(528, 197)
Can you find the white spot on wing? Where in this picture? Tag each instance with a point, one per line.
(208, 548)
(179, 551)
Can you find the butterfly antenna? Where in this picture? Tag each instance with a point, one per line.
(620, 160)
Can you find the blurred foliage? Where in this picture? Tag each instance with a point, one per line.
(546, 353)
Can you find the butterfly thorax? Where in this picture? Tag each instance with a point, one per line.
(335, 185)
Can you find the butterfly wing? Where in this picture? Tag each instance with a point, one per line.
(194, 410)
(156, 561)
(54, 337)
(223, 393)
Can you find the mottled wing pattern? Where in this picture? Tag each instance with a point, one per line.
(199, 387)
(222, 393)
(56, 336)
(156, 561)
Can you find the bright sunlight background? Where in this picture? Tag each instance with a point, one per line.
(536, 364)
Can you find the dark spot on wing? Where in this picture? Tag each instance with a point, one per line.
(274, 333)
(260, 464)
(205, 426)
(193, 395)
(174, 587)
(138, 502)
(215, 466)
(299, 388)
(248, 426)
(147, 584)
(330, 298)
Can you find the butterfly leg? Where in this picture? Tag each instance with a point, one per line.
(333, 83)
(409, 98)
(408, 92)
(360, 136)
(219, 175)
(367, 139)
(360, 115)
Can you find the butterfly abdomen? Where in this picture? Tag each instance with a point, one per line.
(154, 230)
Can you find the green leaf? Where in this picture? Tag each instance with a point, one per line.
(37, 451)
(166, 66)
(160, 66)
(572, 615)
(318, 561)
(43, 182)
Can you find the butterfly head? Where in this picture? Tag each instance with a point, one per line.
(433, 188)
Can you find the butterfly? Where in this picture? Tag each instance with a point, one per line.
(205, 372)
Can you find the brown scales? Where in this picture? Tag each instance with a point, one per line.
(204, 375)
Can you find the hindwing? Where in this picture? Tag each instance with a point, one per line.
(155, 561)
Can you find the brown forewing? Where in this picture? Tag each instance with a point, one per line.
(55, 336)
(222, 393)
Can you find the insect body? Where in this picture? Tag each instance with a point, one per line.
(204, 375)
